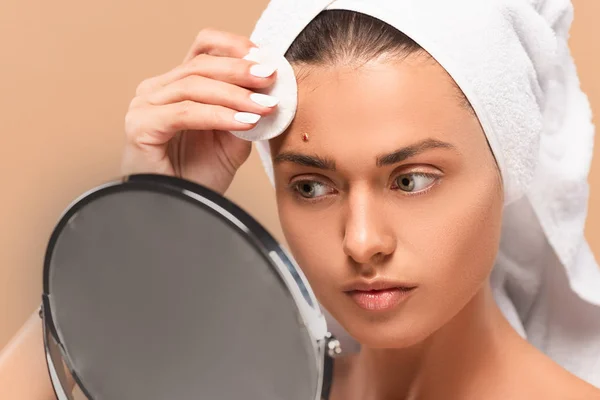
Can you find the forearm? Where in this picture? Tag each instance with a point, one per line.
(23, 370)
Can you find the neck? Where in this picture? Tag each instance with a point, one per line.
(446, 365)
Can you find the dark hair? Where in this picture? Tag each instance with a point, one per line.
(337, 37)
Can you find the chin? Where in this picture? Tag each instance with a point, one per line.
(384, 334)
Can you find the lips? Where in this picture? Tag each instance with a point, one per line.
(379, 295)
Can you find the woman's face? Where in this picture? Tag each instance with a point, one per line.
(396, 189)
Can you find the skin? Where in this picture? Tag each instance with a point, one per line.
(444, 241)
(23, 370)
(346, 218)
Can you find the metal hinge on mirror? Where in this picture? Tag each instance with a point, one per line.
(333, 346)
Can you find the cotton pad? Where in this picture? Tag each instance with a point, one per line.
(285, 89)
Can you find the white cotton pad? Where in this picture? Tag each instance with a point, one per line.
(285, 89)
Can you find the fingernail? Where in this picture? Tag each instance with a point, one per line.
(264, 100)
(247, 118)
(262, 70)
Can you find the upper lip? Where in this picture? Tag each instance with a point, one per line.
(376, 284)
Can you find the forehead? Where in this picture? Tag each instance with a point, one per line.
(381, 103)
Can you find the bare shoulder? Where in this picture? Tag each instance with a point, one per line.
(569, 387)
(576, 388)
(586, 391)
(548, 380)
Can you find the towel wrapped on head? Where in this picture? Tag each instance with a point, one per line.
(512, 61)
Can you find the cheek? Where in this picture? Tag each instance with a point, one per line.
(313, 236)
(457, 237)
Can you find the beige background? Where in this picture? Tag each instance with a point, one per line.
(68, 70)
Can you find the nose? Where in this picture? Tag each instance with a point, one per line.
(368, 236)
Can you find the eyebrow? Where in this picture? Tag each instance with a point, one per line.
(412, 151)
(305, 160)
(395, 157)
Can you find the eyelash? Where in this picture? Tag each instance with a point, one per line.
(294, 186)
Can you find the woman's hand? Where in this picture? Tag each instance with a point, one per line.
(178, 122)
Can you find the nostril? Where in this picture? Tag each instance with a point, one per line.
(369, 249)
(378, 258)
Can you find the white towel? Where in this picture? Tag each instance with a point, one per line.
(512, 61)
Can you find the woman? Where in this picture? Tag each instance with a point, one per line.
(389, 197)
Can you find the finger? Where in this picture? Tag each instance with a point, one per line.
(219, 43)
(235, 71)
(156, 125)
(208, 91)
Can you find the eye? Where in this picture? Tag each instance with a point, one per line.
(312, 189)
(415, 182)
